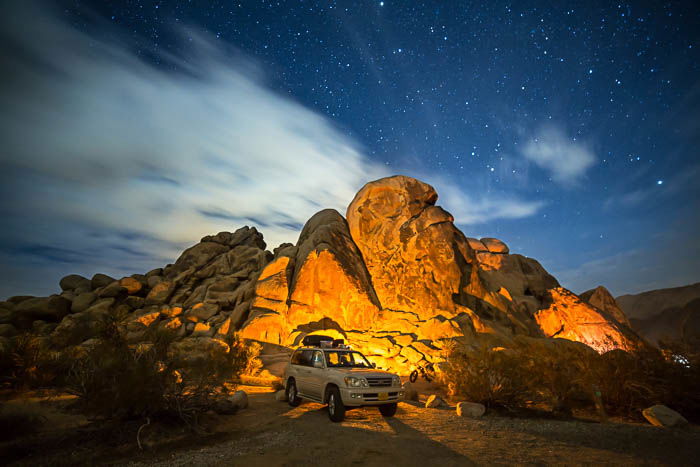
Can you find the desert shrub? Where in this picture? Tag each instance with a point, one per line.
(559, 373)
(28, 362)
(495, 377)
(113, 379)
(566, 375)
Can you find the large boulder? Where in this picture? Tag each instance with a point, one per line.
(568, 317)
(604, 301)
(51, 309)
(79, 327)
(321, 283)
(418, 260)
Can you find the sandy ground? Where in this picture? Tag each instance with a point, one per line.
(271, 433)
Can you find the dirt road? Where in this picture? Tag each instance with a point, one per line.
(271, 433)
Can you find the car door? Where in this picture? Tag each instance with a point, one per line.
(303, 372)
(316, 376)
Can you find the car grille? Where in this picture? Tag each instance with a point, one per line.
(379, 382)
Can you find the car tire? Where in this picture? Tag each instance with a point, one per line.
(336, 408)
(292, 394)
(387, 410)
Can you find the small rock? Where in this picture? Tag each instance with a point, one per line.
(74, 281)
(281, 395)
(131, 285)
(82, 302)
(203, 311)
(135, 302)
(160, 293)
(225, 407)
(152, 281)
(470, 409)
(434, 402)
(112, 290)
(409, 392)
(239, 399)
(495, 245)
(660, 415)
(155, 272)
(100, 280)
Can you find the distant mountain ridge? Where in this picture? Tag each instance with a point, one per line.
(672, 313)
(646, 304)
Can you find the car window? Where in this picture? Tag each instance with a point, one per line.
(296, 358)
(306, 356)
(346, 359)
(318, 357)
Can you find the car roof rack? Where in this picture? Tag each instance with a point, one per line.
(317, 340)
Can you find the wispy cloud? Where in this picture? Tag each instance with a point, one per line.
(469, 209)
(97, 141)
(113, 164)
(565, 158)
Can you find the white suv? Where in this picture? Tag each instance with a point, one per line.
(342, 378)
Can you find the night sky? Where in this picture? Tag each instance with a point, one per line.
(570, 130)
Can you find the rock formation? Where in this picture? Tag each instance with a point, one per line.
(396, 280)
(600, 298)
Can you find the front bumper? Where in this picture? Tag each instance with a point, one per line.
(371, 396)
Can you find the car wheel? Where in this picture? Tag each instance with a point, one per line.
(336, 408)
(292, 395)
(387, 410)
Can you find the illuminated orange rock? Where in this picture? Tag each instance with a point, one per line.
(601, 299)
(322, 282)
(419, 261)
(569, 317)
(397, 280)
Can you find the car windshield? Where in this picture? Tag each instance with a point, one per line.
(346, 359)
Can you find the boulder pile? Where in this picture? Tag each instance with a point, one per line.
(395, 278)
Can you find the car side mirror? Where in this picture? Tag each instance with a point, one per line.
(318, 364)
(374, 365)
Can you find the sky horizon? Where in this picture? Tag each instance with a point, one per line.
(133, 129)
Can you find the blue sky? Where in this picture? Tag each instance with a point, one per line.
(132, 129)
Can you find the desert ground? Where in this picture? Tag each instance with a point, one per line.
(270, 433)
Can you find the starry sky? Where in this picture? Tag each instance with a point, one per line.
(570, 130)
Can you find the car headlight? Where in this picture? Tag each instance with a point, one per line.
(395, 381)
(353, 382)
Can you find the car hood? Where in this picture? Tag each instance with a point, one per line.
(366, 372)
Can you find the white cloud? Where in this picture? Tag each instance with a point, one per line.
(126, 145)
(469, 209)
(564, 158)
(113, 164)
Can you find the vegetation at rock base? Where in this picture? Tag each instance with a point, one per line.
(565, 375)
(154, 379)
